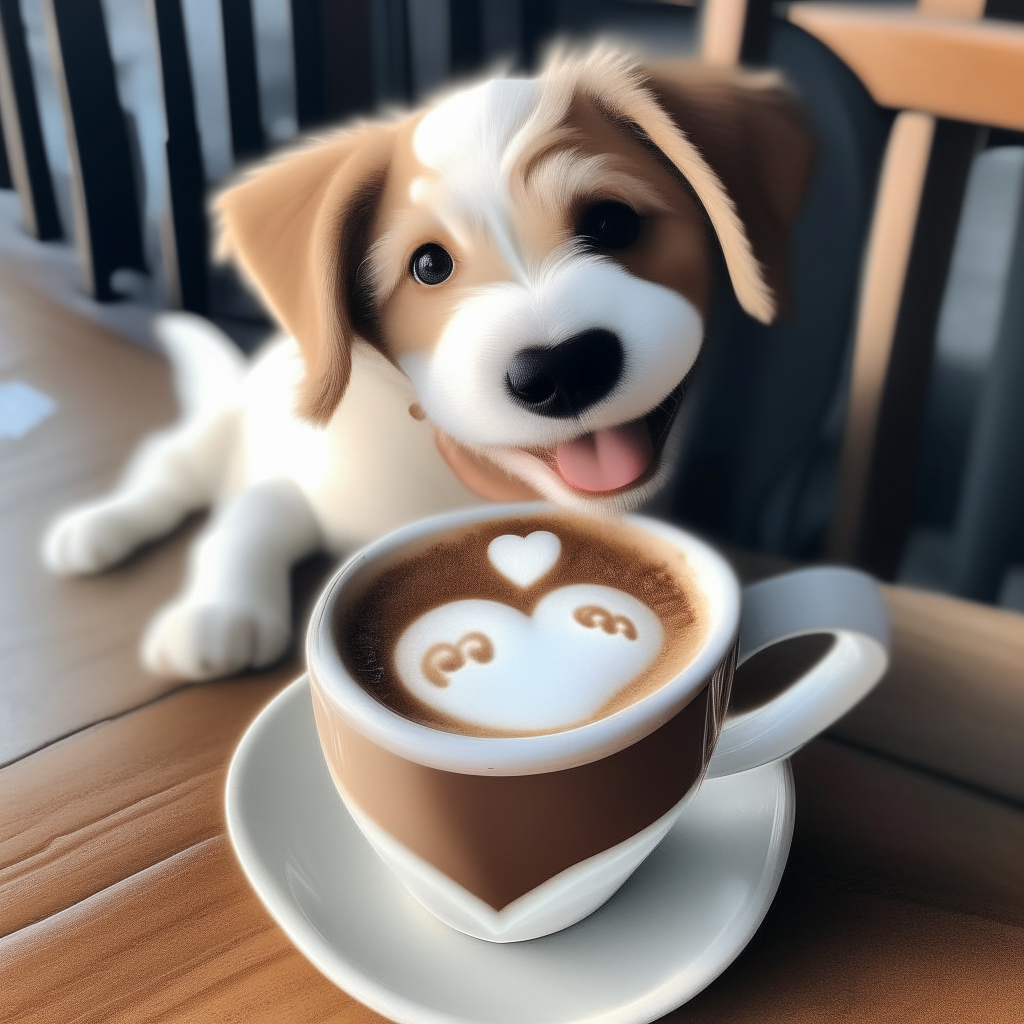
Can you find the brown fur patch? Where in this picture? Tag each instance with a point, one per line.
(298, 228)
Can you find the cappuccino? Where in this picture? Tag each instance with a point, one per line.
(516, 813)
(522, 625)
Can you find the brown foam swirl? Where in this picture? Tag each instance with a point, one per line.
(442, 659)
(593, 616)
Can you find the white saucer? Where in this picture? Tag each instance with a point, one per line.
(679, 921)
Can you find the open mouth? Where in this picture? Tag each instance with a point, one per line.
(615, 458)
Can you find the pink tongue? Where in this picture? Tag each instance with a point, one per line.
(606, 459)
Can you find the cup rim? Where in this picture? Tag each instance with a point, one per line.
(518, 755)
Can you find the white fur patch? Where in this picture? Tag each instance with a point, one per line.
(464, 139)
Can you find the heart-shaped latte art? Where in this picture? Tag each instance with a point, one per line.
(492, 666)
(523, 560)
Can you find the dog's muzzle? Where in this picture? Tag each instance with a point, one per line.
(565, 380)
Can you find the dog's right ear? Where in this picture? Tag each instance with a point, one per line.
(298, 228)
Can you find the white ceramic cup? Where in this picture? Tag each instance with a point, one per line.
(426, 799)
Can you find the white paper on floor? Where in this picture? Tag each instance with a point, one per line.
(22, 408)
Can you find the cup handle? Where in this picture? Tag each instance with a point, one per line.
(842, 602)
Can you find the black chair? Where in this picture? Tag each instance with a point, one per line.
(988, 530)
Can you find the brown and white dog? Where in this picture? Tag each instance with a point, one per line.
(499, 295)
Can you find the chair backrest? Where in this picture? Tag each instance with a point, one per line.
(940, 75)
(950, 76)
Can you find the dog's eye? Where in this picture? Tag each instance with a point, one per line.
(609, 225)
(431, 264)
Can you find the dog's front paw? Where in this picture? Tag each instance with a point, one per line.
(89, 539)
(204, 641)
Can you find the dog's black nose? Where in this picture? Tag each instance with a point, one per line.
(569, 377)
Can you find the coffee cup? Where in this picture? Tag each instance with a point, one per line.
(508, 833)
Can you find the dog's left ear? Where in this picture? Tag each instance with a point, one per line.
(298, 228)
(739, 140)
(753, 135)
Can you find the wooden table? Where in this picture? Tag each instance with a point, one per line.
(120, 898)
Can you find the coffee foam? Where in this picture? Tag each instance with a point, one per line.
(506, 670)
(570, 622)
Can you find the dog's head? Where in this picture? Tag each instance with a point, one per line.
(537, 255)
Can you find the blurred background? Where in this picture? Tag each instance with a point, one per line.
(120, 117)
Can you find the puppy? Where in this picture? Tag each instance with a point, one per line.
(500, 295)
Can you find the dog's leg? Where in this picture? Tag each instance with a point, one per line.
(235, 609)
(172, 474)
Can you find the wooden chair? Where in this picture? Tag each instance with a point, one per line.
(947, 73)
(949, 76)
(953, 702)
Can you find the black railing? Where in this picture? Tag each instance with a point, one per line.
(348, 56)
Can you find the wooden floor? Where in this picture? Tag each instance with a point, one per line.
(67, 649)
(120, 898)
